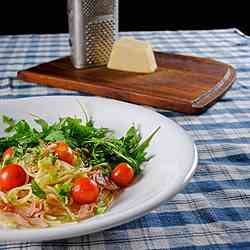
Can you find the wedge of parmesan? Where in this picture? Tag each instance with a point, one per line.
(129, 54)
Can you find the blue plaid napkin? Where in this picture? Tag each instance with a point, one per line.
(213, 212)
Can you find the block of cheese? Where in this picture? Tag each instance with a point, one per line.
(129, 54)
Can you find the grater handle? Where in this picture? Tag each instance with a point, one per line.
(76, 29)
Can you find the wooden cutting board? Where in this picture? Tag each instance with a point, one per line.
(182, 83)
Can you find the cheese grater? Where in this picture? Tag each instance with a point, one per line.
(93, 27)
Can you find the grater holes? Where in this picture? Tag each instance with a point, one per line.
(93, 8)
(88, 7)
(100, 38)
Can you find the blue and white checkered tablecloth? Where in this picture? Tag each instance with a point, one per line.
(213, 212)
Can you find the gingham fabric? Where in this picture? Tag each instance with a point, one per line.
(213, 212)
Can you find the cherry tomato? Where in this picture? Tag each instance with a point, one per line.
(85, 190)
(8, 153)
(11, 176)
(64, 153)
(122, 175)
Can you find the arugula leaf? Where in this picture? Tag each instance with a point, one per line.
(37, 191)
(55, 135)
(22, 127)
(132, 138)
(24, 135)
(98, 145)
(19, 151)
(63, 190)
(142, 147)
(112, 150)
(10, 122)
(44, 125)
(139, 154)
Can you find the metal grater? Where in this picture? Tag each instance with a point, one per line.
(93, 27)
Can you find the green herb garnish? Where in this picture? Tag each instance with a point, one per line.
(37, 191)
(10, 122)
(101, 210)
(63, 190)
(98, 145)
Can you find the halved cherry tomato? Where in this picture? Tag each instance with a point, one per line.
(64, 153)
(122, 175)
(11, 176)
(8, 153)
(85, 190)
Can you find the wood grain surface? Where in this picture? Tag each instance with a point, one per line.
(181, 83)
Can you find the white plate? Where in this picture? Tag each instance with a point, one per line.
(165, 175)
